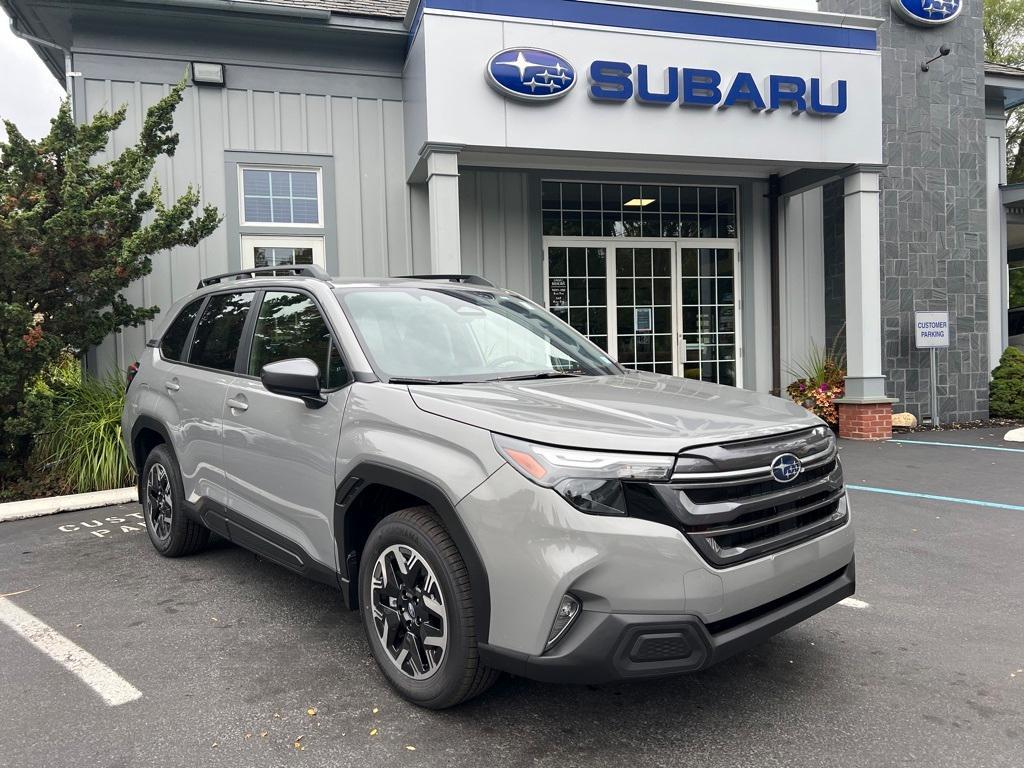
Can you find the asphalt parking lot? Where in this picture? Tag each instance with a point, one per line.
(229, 654)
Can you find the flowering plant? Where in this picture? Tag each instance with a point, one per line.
(821, 381)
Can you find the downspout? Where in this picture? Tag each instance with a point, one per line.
(774, 193)
(69, 73)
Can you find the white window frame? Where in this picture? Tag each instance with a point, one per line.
(248, 242)
(242, 167)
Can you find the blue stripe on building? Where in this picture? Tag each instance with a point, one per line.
(666, 20)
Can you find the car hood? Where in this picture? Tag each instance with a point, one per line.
(634, 411)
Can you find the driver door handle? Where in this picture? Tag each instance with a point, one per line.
(238, 403)
(172, 385)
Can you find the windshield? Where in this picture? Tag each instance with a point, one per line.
(454, 336)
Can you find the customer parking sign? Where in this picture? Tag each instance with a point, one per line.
(931, 330)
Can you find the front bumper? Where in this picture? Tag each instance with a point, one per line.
(605, 647)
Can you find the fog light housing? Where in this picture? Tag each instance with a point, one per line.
(568, 610)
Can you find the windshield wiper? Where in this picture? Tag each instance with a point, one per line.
(538, 375)
(417, 380)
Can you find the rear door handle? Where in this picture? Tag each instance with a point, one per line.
(172, 386)
(238, 404)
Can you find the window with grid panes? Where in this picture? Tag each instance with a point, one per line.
(708, 299)
(592, 209)
(643, 300)
(577, 290)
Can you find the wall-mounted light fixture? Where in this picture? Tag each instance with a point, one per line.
(944, 50)
(205, 73)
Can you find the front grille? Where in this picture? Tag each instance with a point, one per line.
(732, 510)
(733, 492)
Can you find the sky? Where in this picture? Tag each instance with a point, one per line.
(29, 94)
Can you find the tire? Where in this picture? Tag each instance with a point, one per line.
(435, 578)
(172, 533)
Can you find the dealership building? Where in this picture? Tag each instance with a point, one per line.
(704, 189)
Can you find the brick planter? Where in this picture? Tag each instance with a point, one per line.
(865, 421)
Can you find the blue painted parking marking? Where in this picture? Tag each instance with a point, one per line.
(959, 445)
(933, 497)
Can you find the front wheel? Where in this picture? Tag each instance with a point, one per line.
(417, 611)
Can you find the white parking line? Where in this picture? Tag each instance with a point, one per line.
(853, 602)
(111, 687)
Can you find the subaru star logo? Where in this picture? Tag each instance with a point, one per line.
(530, 74)
(786, 467)
(928, 13)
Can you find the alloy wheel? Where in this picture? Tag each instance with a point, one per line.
(409, 612)
(159, 501)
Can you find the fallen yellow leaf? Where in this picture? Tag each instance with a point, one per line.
(410, 748)
(375, 710)
(263, 734)
(373, 732)
(311, 711)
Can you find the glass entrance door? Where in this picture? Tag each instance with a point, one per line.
(664, 306)
(645, 320)
(707, 334)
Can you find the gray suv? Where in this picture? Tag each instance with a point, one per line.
(488, 488)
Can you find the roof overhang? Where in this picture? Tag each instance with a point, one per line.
(1005, 86)
(52, 21)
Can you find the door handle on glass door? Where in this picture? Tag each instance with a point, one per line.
(238, 403)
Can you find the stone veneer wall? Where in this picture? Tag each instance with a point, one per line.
(933, 207)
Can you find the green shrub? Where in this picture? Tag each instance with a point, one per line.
(1006, 396)
(82, 446)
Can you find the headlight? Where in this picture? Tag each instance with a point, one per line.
(589, 480)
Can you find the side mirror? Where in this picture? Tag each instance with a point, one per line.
(298, 377)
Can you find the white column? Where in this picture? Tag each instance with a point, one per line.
(864, 380)
(443, 191)
(995, 174)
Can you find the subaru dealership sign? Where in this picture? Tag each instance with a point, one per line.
(534, 75)
(928, 13)
(730, 88)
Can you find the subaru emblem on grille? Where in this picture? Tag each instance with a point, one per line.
(786, 468)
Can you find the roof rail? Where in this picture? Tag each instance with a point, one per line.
(302, 270)
(467, 279)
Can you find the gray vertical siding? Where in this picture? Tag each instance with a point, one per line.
(495, 217)
(363, 134)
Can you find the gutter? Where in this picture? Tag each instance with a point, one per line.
(249, 6)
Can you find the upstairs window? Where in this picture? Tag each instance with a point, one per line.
(282, 197)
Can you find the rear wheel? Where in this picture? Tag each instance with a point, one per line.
(172, 533)
(417, 610)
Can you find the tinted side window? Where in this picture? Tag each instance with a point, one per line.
(220, 328)
(172, 345)
(290, 325)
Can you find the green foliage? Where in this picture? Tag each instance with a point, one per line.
(1006, 396)
(820, 381)
(82, 446)
(74, 233)
(1003, 23)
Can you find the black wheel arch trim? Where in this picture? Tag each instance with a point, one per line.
(370, 473)
(141, 423)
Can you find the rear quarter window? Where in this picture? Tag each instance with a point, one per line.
(172, 344)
